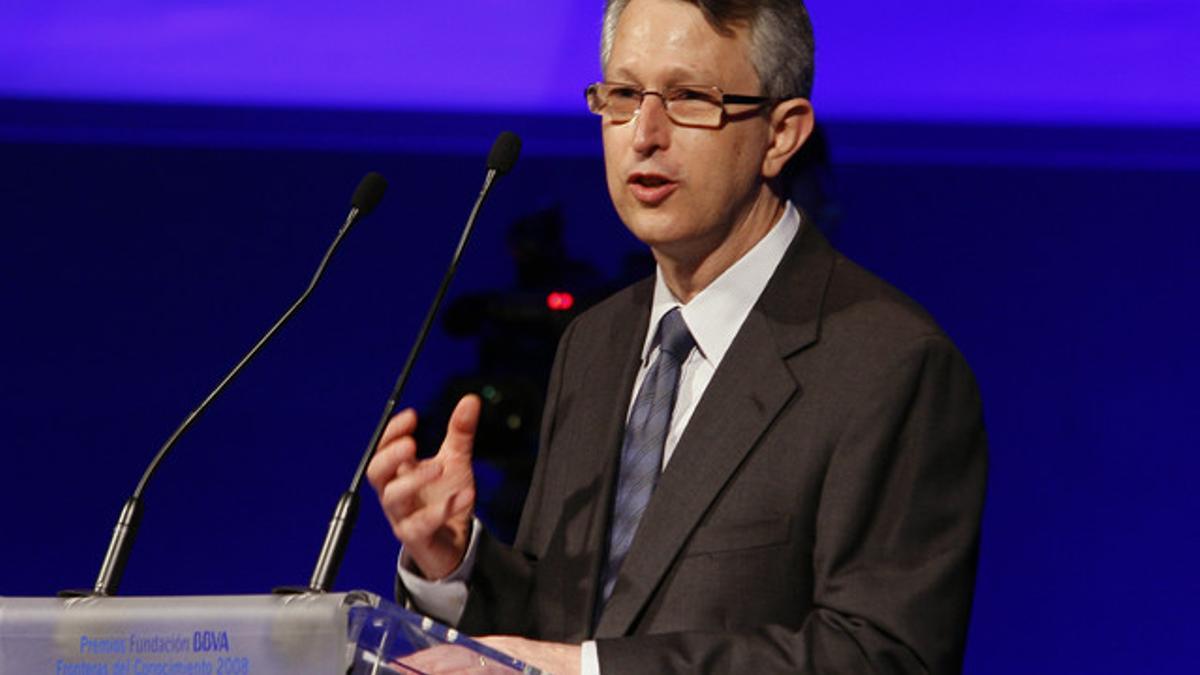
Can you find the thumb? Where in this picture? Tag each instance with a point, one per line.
(460, 433)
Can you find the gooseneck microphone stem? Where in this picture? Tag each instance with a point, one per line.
(366, 197)
(345, 513)
(341, 526)
(426, 325)
(237, 369)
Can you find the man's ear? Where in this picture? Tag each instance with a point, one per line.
(792, 123)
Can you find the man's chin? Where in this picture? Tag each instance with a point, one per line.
(653, 235)
(653, 225)
(670, 242)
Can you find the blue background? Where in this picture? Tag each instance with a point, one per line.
(172, 172)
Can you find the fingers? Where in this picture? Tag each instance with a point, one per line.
(396, 448)
(403, 423)
(450, 659)
(428, 503)
(549, 657)
(460, 433)
(441, 659)
(413, 515)
(402, 493)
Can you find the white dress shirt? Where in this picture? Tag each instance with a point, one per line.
(714, 317)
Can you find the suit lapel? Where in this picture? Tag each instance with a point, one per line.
(605, 391)
(747, 392)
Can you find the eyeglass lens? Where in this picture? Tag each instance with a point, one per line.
(687, 105)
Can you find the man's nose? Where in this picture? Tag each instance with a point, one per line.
(653, 130)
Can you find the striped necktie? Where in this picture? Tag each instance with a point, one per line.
(645, 436)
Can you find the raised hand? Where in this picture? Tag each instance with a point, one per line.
(429, 502)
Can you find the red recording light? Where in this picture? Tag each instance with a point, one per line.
(560, 301)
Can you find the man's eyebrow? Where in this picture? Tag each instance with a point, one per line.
(684, 75)
(620, 75)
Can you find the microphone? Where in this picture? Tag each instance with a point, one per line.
(500, 161)
(504, 153)
(366, 197)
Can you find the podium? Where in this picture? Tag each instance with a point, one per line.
(354, 633)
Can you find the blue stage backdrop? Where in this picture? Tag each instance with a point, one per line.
(173, 171)
(1091, 61)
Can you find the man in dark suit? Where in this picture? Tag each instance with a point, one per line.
(762, 460)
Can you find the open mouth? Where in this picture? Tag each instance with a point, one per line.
(650, 188)
(651, 181)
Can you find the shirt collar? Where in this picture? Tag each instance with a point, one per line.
(716, 314)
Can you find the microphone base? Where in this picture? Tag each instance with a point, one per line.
(77, 593)
(292, 590)
(336, 540)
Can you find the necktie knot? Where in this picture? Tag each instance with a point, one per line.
(674, 337)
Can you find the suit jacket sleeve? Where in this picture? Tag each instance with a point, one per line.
(503, 582)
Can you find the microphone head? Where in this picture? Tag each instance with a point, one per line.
(504, 153)
(369, 193)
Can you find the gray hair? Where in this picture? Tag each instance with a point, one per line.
(781, 39)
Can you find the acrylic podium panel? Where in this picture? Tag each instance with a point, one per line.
(338, 633)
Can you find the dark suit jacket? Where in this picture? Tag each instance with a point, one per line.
(820, 513)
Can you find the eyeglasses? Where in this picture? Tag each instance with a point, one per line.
(687, 105)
